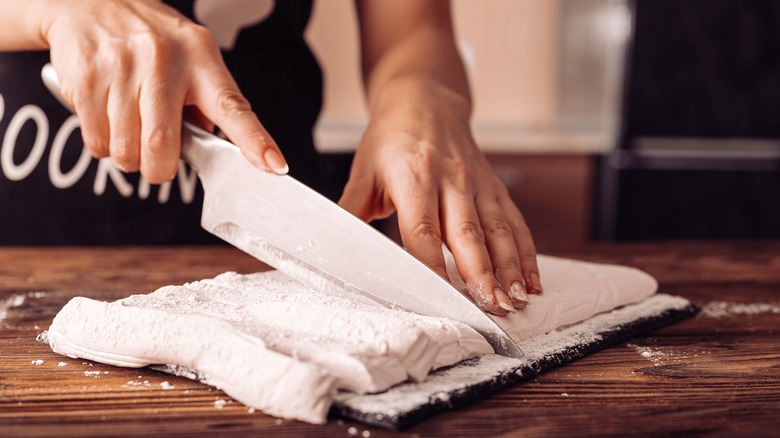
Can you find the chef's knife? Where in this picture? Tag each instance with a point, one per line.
(294, 229)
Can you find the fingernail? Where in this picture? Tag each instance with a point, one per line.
(503, 300)
(536, 284)
(275, 160)
(518, 296)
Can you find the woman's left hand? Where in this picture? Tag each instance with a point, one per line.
(418, 158)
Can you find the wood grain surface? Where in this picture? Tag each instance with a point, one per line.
(715, 374)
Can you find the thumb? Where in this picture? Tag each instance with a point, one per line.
(362, 198)
(357, 199)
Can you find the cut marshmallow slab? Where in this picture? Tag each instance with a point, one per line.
(277, 345)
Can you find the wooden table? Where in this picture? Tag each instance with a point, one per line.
(716, 373)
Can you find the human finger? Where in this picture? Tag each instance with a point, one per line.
(89, 101)
(524, 243)
(466, 239)
(357, 198)
(218, 97)
(124, 124)
(501, 246)
(419, 226)
(161, 117)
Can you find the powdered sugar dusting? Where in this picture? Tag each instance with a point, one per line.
(724, 309)
(136, 383)
(664, 355)
(12, 301)
(654, 355)
(16, 300)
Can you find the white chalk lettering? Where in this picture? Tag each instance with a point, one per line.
(164, 192)
(188, 182)
(19, 172)
(143, 188)
(105, 169)
(58, 178)
(186, 177)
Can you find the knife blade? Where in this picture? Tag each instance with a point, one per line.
(294, 229)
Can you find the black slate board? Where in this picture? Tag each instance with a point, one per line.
(470, 380)
(409, 403)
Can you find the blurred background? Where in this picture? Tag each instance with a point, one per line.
(607, 119)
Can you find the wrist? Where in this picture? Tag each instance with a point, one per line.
(49, 12)
(23, 24)
(420, 96)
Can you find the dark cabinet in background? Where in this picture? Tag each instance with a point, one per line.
(698, 153)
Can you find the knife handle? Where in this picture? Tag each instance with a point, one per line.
(51, 82)
(199, 147)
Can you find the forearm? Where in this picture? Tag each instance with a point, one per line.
(23, 24)
(409, 56)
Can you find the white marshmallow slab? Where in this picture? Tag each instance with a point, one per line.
(277, 345)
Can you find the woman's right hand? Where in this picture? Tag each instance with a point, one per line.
(130, 67)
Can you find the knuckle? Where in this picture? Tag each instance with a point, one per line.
(123, 155)
(159, 52)
(96, 145)
(158, 141)
(426, 230)
(258, 134)
(152, 37)
(497, 226)
(231, 101)
(460, 172)
(149, 40)
(482, 274)
(422, 161)
(507, 268)
(121, 148)
(76, 95)
(79, 90)
(199, 35)
(528, 259)
(75, 91)
(117, 60)
(471, 230)
(419, 166)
